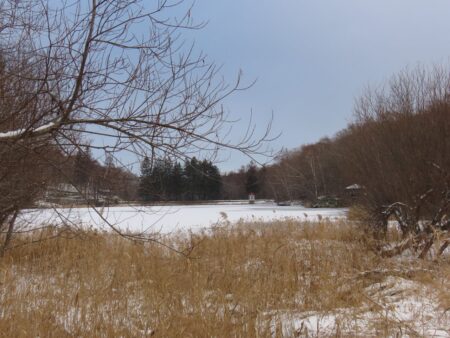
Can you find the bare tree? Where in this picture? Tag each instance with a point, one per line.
(115, 70)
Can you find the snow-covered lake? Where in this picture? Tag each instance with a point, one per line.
(172, 218)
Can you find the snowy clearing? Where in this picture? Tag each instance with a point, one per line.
(172, 218)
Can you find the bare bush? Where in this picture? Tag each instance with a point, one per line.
(399, 150)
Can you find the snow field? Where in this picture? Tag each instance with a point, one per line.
(168, 219)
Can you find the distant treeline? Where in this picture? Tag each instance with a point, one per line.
(165, 180)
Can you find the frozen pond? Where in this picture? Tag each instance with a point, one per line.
(172, 218)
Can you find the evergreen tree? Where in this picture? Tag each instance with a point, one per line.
(157, 180)
(165, 179)
(192, 179)
(252, 182)
(214, 188)
(145, 181)
(176, 183)
(204, 180)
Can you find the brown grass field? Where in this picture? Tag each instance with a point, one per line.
(283, 279)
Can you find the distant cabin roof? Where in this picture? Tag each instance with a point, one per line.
(353, 187)
(66, 187)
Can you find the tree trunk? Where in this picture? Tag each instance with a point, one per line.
(9, 233)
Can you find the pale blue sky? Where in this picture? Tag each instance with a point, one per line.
(312, 58)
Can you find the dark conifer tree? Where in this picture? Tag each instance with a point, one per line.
(252, 184)
(145, 181)
(214, 189)
(177, 184)
(192, 178)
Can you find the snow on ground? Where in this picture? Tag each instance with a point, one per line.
(172, 218)
(396, 307)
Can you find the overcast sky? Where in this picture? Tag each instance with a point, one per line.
(312, 58)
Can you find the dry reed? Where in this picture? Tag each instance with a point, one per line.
(234, 283)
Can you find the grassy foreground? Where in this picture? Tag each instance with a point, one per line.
(279, 279)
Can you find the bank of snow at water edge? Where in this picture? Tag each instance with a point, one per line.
(173, 218)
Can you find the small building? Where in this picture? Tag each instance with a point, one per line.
(353, 191)
(63, 193)
(251, 198)
(67, 195)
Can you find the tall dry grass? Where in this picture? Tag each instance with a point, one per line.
(101, 285)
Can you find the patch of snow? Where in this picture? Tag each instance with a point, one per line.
(12, 133)
(19, 132)
(353, 187)
(411, 309)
